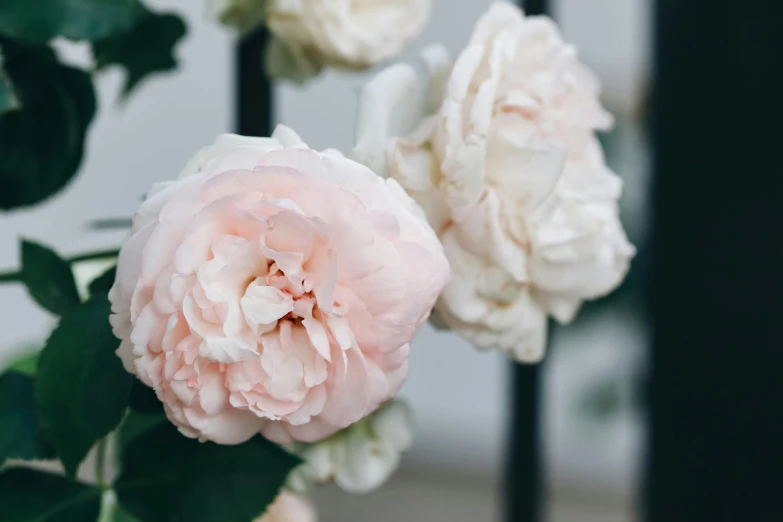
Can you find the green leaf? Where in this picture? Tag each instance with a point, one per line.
(20, 433)
(82, 389)
(42, 143)
(146, 49)
(8, 99)
(143, 399)
(137, 424)
(38, 21)
(166, 477)
(27, 365)
(48, 278)
(120, 515)
(104, 282)
(28, 495)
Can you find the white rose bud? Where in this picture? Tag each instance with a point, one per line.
(361, 457)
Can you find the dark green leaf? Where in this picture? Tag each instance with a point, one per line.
(8, 99)
(28, 495)
(146, 49)
(38, 21)
(81, 388)
(143, 399)
(42, 143)
(104, 282)
(120, 515)
(27, 365)
(136, 424)
(168, 477)
(20, 434)
(48, 278)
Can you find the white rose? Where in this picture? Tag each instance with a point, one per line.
(345, 34)
(500, 151)
(361, 457)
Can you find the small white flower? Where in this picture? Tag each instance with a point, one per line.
(361, 457)
(344, 34)
(500, 150)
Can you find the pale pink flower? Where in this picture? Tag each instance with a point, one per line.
(288, 507)
(274, 288)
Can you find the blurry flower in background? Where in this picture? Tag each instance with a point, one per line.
(289, 507)
(309, 35)
(501, 152)
(242, 15)
(274, 288)
(359, 458)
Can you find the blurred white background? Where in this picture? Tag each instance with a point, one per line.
(458, 395)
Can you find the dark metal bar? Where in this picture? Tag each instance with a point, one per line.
(536, 7)
(524, 483)
(255, 96)
(523, 487)
(716, 385)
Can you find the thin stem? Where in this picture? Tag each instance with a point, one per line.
(14, 277)
(100, 463)
(9, 277)
(94, 255)
(108, 505)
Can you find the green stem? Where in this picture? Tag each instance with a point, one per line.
(9, 277)
(94, 255)
(14, 277)
(108, 506)
(100, 464)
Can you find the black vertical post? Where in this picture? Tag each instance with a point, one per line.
(716, 385)
(254, 102)
(524, 484)
(523, 473)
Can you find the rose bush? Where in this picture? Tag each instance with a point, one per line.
(274, 289)
(500, 150)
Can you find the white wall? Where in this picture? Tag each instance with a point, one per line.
(458, 395)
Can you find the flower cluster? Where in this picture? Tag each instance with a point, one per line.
(275, 289)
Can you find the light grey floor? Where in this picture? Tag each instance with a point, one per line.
(414, 496)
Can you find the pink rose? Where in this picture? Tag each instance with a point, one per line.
(289, 508)
(274, 288)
